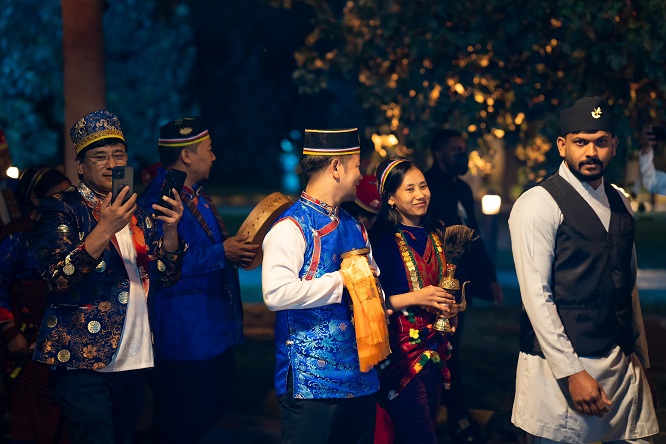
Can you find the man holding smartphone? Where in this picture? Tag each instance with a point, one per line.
(653, 180)
(100, 256)
(199, 320)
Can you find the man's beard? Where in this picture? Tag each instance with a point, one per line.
(589, 177)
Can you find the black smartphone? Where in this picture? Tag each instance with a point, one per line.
(174, 179)
(122, 176)
(659, 132)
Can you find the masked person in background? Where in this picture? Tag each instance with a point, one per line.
(452, 203)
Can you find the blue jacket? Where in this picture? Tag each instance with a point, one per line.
(319, 344)
(202, 315)
(88, 297)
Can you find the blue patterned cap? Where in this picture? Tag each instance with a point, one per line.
(97, 125)
(183, 132)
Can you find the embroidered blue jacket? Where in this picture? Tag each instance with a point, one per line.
(202, 315)
(319, 344)
(87, 300)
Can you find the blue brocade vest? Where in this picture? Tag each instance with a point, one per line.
(319, 344)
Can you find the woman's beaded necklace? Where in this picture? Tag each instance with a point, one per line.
(415, 280)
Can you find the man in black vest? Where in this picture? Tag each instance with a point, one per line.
(580, 375)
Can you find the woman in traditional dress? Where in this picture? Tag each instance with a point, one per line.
(409, 253)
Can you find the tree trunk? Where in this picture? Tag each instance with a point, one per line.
(83, 62)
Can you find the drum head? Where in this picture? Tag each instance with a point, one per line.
(258, 222)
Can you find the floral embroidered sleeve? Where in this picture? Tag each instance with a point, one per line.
(57, 242)
(170, 265)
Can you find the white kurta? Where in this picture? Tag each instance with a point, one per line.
(542, 405)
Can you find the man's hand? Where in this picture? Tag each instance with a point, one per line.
(239, 251)
(588, 396)
(170, 216)
(113, 217)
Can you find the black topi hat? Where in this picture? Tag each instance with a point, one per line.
(586, 114)
(331, 142)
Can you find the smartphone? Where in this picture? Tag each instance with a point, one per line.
(174, 179)
(122, 176)
(659, 132)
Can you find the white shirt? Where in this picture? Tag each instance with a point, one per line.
(541, 407)
(135, 350)
(654, 181)
(284, 255)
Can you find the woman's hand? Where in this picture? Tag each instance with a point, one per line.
(430, 296)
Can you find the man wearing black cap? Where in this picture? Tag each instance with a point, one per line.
(100, 258)
(324, 396)
(580, 375)
(196, 322)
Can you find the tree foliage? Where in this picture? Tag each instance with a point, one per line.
(30, 78)
(495, 68)
(149, 54)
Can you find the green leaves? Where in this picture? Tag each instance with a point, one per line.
(478, 64)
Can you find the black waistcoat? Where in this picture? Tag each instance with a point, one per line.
(591, 276)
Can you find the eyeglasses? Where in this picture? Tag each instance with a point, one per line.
(102, 159)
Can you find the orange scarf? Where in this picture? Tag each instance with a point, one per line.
(369, 314)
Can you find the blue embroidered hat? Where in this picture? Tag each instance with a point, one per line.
(97, 125)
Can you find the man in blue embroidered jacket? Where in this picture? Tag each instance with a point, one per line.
(199, 320)
(324, 397)
(98, 257)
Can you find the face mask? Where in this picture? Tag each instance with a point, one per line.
(460, 164)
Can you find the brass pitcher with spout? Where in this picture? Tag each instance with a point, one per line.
(452, 285)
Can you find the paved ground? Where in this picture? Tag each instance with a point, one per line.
(489, 356)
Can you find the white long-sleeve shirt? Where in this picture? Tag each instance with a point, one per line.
(541, 405)
(284, 255)
(653, 180)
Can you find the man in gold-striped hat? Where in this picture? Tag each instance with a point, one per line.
(324, 395)
(194, 343)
